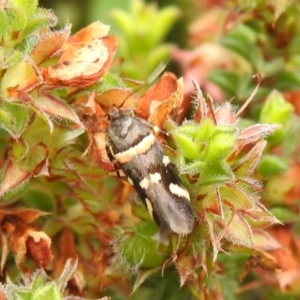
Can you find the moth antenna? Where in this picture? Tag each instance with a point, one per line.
(259, 79)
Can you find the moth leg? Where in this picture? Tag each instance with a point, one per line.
(118, 171)
(167, 147)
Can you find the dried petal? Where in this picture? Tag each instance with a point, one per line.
(82, 64)
(159, 92)
(38, 247)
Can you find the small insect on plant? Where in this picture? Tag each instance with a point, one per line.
(134, 147)
(129, 145)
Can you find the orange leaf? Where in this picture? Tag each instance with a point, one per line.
(49, 45)
(116, 97)
(159, 92)
(87, 34)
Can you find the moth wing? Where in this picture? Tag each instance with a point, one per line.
(173, 212)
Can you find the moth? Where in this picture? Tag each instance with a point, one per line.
(132, 144)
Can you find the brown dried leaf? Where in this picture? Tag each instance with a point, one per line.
(96, 123)
(67, 250)
(86, 104)
(10, 215)
(18, 233)
(167, 108)
(28, 215)
(100, 150)
(38, 247)
(294, 98)
(250, 155)
(4, 251)
(288, 278)
(185, 265)
(256, 132)
(263, 260)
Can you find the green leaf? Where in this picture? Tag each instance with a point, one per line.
(50, 291)
(3, 24)
(217, 172)
(39, 199)
(39, 279)
(14, 118)
(139, 248)
(22, 294)
(227, 80)
(164, 20)
(42, 18)
(193, 168)
(287, 80)
(241, 39)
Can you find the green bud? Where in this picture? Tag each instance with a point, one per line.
(284, 214)
(16, 18)
(271, 164)
(276, 109)
(220, 146)
(276, 187)
(205, 130)
(186, 146)
(29, 6)
(189, 129)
